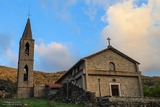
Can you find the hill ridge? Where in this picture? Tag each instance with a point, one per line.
(9, 73)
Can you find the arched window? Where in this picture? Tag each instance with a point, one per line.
(25, 72)
(112, 66)
(27, 49)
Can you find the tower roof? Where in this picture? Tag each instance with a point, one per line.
(27, 34)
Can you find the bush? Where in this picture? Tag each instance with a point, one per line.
(152, 91)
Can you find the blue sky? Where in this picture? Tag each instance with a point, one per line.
(67, 30)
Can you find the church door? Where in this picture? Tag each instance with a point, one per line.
(115, 90)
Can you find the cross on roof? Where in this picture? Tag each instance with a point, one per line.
(108, 41)
(29, 14)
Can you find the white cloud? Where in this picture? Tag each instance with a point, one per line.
(136, 31)
(93, 6)
(59, 7)
(4, 46)
(54, 57)
(12, 58)
(91, 13)
(7, 56)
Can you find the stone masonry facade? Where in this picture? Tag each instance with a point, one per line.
(126, 75)
(101, 62)
(127, 85)
(93, 73)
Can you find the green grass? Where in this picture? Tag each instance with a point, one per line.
(33, 103)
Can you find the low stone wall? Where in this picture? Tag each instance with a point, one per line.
(127, 102)
(73, 93)
(4, 95)
(40, 91)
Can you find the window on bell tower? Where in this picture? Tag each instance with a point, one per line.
(25, 72)
(27, 49)
(112, 66)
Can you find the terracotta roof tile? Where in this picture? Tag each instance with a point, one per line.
(53, 85)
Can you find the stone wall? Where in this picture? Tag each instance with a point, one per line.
(26, 92)
(127, 102)
(79, 81)
(101, 62)
(40, 91)
(129, 86)
(72, 93)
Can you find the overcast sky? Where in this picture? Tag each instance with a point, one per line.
(67, 30)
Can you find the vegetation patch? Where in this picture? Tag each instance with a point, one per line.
(34, 103)
(152, 91)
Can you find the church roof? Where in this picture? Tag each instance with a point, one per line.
(53, 85)
(27, 34)
(114, 50)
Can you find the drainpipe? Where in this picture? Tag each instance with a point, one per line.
(99, 87)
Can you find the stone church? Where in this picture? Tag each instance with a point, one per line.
(108, 72)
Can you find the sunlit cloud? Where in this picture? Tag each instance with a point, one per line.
(54, 57)
(93, 7)
(135, 30)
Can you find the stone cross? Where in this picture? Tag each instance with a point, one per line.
(108, 41)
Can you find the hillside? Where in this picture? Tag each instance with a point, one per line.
(149, 81)
(7, 73)
(8, 78)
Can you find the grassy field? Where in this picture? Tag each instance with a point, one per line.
(33, 103)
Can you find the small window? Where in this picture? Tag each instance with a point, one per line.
(78, 68)
(27, 49)
(73, 72)
(25, 72)
(111, 66)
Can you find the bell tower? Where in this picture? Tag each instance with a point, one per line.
(25, 64)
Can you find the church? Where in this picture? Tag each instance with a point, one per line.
(108, 72)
